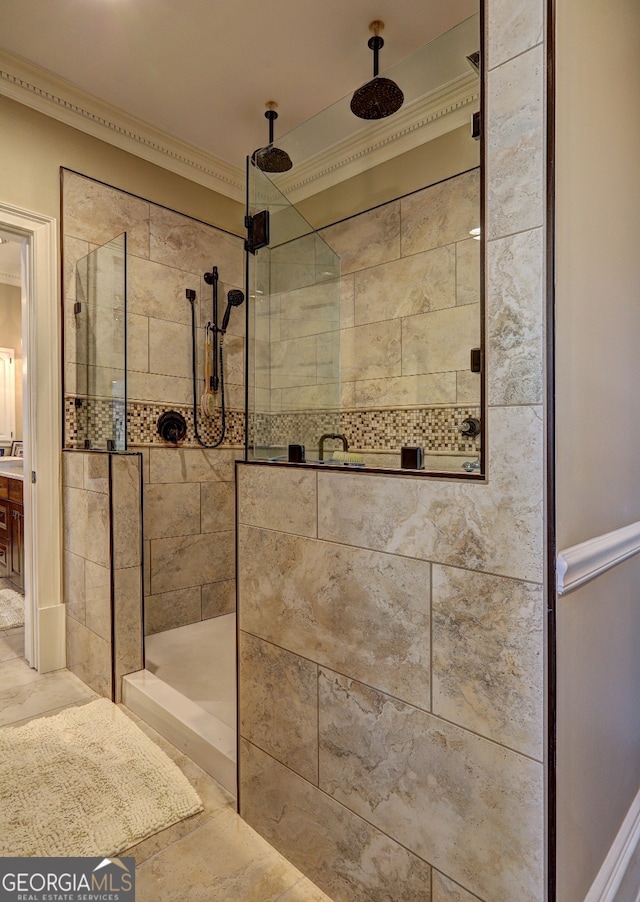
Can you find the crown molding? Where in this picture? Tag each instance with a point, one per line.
(9, 278)
(441, 111)
(37, 89)
(437, 113)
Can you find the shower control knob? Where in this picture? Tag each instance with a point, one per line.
(470, 427)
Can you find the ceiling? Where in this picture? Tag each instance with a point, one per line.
(200, 72)
(203, 70)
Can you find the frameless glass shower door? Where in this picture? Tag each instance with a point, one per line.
(101, 335)
(293, 371)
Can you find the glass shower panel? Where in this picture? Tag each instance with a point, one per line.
(101, 336)
(294, 325)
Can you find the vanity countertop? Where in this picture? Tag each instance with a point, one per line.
(12, 468)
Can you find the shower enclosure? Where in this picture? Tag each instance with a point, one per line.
(100, 312)
(293, 374)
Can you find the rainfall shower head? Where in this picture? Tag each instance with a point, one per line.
(379, 97)
(234, 298)
(271, 158)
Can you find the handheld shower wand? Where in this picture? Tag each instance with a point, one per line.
(234, 298)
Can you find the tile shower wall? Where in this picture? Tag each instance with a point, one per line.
(410, 314)
(398, 622)
(189, 527)
(103, 567)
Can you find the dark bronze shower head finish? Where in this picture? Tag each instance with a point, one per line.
(271, 158)
(379, 97)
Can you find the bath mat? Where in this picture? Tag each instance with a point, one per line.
(86, 782)
(11, 609)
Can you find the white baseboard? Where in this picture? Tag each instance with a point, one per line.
(52, 653)
(614, 867)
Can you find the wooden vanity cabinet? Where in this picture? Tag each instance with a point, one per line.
(5, 530)
(11, 531)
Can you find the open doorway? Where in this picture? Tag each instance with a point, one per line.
(38, 539)
(12, 596)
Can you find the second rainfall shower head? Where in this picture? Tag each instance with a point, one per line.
(379, 97)
(271, 158)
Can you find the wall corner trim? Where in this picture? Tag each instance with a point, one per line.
(610, 876)
(583, 562)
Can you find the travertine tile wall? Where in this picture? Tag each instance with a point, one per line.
(103, 567)
(189, 525)
(410, 310)
(189, 530)
(398, 621)
(409, 316)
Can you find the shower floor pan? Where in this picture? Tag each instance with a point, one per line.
(187, 693)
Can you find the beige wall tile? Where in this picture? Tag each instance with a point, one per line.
(513, 27)
(293, 363)
(440, 341)
(441, 214)
(445, 890)
(488, 656)
(98, 599)
(167, 610)
(373, 351)
(347, 301)
(495, 526)
(218, 598)
(515, 319)
(160, 389)
(97, 213)
(218, 506)
(515, 146)
(279, 704)
(170, 348)
(402, 391)
(470, 807)
(189, 245)
(171, 510)
(126, 505)
(468, 387)
(96, 472)
(278, 498)
(73, 469)
(89, 657)
(366, 240)
(138, 342)
(356, 611)
(178, 563)
(128, 621)
(190, 465)
(74, 590)
(468, 272)
(158, 290)
(310, 310)
(343, 854)
(415, 284)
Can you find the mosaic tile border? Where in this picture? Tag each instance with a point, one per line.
(436, 429)
(432, 428)
(101, 419)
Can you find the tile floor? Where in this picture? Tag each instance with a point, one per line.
(213, 856)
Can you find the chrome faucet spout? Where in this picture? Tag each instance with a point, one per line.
(335, 435)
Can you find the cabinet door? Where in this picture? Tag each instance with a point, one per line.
(16, 546)
(4, 556)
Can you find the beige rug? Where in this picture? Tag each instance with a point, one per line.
(86, 782)
(11, 609)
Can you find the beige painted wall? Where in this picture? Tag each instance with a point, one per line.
(34, 147)
(598, 430)
(11, 337)
(440, 159)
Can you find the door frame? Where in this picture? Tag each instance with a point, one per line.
(42, 394)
